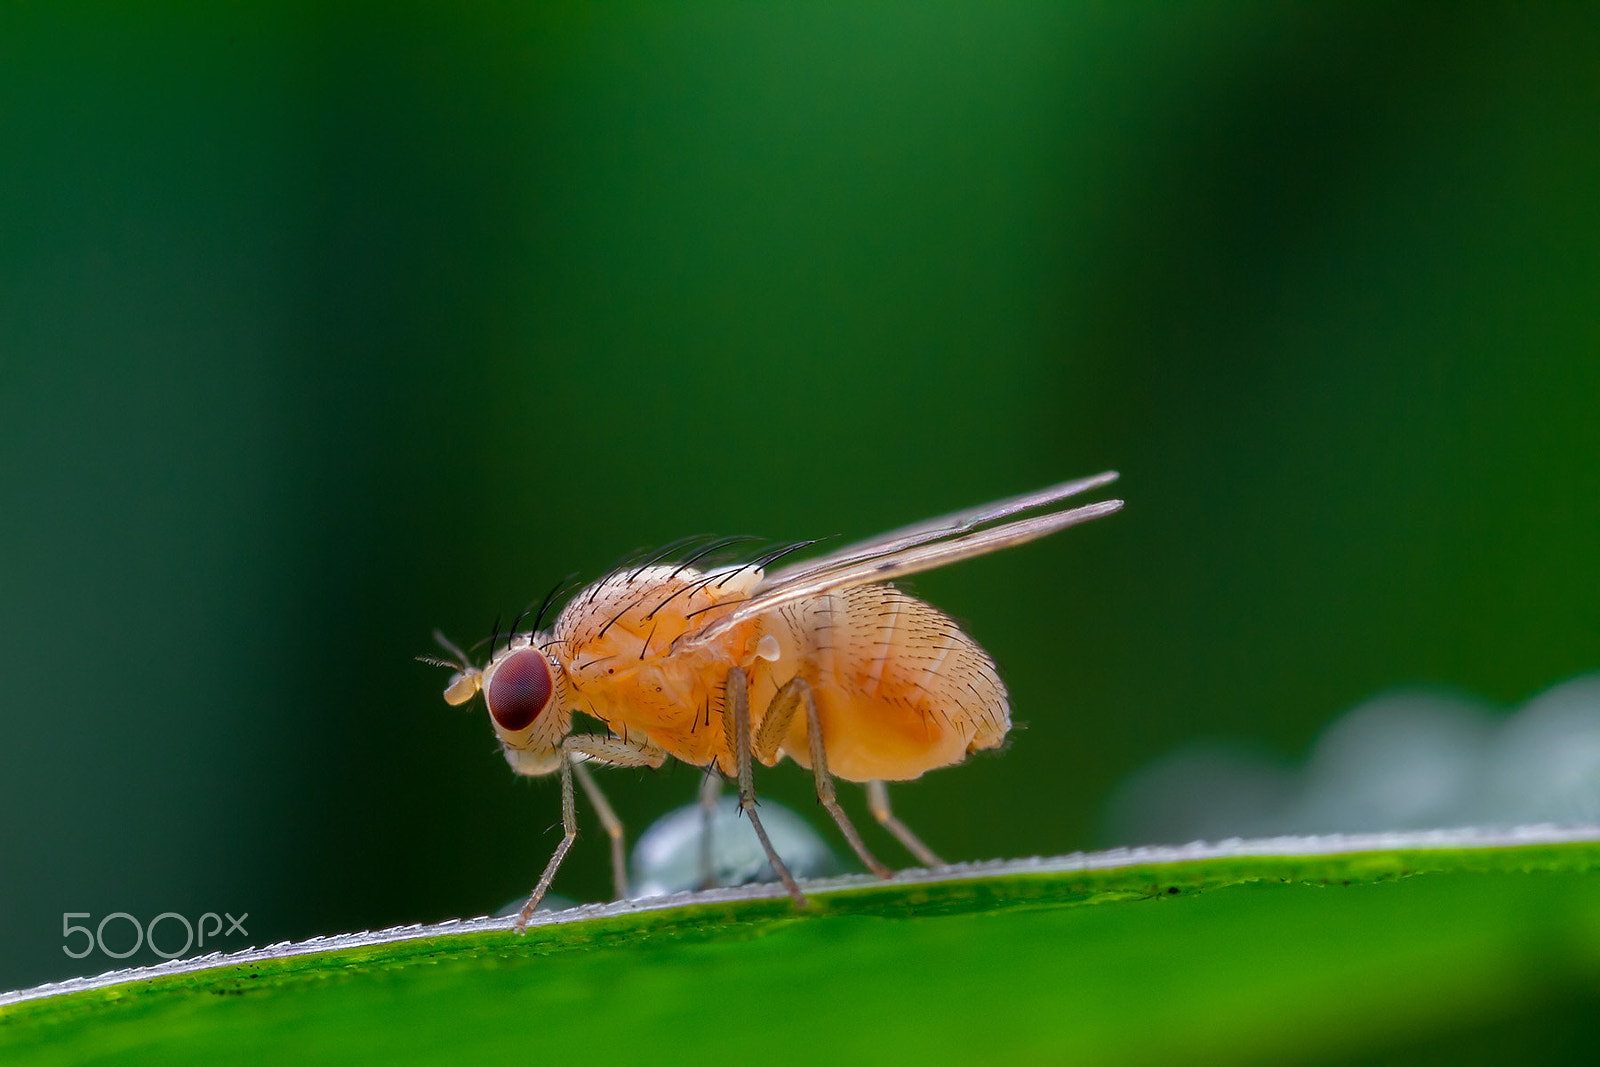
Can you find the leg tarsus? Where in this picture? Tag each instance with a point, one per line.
(878, 802)
(778, 866)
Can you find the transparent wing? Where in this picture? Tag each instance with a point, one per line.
(919, 547)
(941, 528)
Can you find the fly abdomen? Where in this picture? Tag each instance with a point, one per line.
(899, 688)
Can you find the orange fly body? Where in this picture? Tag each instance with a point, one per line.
(820, 661)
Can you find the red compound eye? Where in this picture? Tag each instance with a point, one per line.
(520, 689)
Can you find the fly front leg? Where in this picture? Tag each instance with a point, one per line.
(569, 826)
(795, 694)
(616, 752)
(605, 750)
(736, 730)
(878, 802)
(634, 751)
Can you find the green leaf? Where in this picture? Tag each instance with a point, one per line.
(1318, 951)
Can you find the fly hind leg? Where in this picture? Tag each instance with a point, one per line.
(795, 694)
(710, 793)
(878, 802)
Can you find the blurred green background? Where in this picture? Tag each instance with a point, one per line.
(322, 325)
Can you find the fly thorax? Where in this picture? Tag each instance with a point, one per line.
(642, 612)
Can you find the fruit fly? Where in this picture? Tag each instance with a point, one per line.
(822, 661)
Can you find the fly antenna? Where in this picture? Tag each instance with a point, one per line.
(460, 657)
